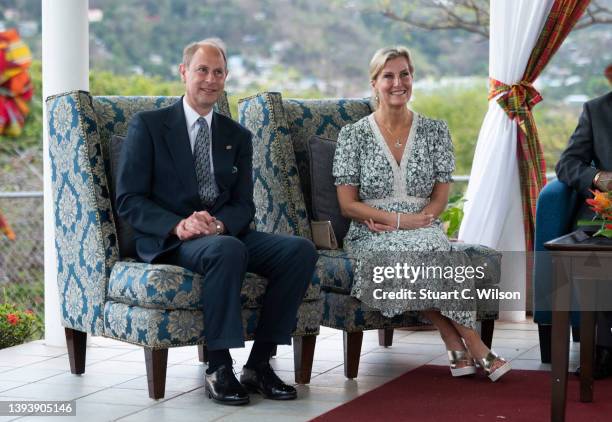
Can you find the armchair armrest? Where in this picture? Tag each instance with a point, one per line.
(555, 211)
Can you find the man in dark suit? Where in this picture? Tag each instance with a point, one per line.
(586, 164)
(185, 186)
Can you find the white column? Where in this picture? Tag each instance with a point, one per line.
(65, 62)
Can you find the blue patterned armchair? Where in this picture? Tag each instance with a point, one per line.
(281, 168)
(103, 290)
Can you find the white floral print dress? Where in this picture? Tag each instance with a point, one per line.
(363, 159)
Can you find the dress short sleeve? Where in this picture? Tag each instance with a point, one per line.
(346, 168)
(443, 155)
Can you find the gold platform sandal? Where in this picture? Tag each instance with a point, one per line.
(461, 363)
(488, 364)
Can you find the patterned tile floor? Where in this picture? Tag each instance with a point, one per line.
(114, 386)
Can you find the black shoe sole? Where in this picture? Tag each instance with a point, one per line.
(227, 402)
(254, 389)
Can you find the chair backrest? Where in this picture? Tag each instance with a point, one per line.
(80, 131)
(281, 171)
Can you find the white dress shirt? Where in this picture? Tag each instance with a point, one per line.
(191, 117)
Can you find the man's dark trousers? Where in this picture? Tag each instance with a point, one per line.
(286, 261)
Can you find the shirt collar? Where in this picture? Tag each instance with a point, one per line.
(191, 116)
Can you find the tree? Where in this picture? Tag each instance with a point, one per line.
(471, 15)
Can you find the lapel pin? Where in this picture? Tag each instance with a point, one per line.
(228, 147)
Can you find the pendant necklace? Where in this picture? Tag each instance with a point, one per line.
(397, 143)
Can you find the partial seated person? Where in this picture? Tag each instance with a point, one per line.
(585, 165)
(393, 173)
(185, 186)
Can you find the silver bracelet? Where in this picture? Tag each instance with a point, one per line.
(398, 221)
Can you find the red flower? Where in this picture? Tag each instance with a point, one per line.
(601, 201)
(29, 312)
(609, 226)
(12, 319)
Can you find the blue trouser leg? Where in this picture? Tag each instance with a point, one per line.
(288, 263)
(222, 260)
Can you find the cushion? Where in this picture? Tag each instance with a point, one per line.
(335, 269)
(323, 195)
(482, 256)
(344, 312)
(164, 286)
(322, 117)
(161, 328)
(125, 232)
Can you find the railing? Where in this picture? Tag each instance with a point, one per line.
(466, 178)
(32, 194)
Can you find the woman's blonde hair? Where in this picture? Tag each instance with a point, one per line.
(382, 56)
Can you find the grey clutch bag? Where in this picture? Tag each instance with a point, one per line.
(323, 235)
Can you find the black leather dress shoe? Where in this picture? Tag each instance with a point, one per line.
(602, 367)
(223, 387)
(264, 381)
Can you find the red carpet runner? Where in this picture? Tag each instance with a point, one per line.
(429, 393)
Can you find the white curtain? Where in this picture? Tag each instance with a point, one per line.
(493, 210)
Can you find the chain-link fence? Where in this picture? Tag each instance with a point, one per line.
(22, 259)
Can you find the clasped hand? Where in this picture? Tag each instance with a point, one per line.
(407, 222)
(200, 223)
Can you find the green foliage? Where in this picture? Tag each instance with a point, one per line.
(463, 109)
(452, 215)
(555, 123)
(108, 83)
(27, 296)
(16, 325)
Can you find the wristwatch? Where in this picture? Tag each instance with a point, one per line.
(602, 180)
(218, 228)
(596, 178)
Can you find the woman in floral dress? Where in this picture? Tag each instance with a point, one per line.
(393, 172)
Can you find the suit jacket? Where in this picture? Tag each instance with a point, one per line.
(589, 149)
(157, 185)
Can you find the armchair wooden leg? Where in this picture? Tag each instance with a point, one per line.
(303, 355)
(76, 341)
(352, 353)
(486, 331)
(544, 331)
(203, 353)
(385, 337)
(157, 362)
